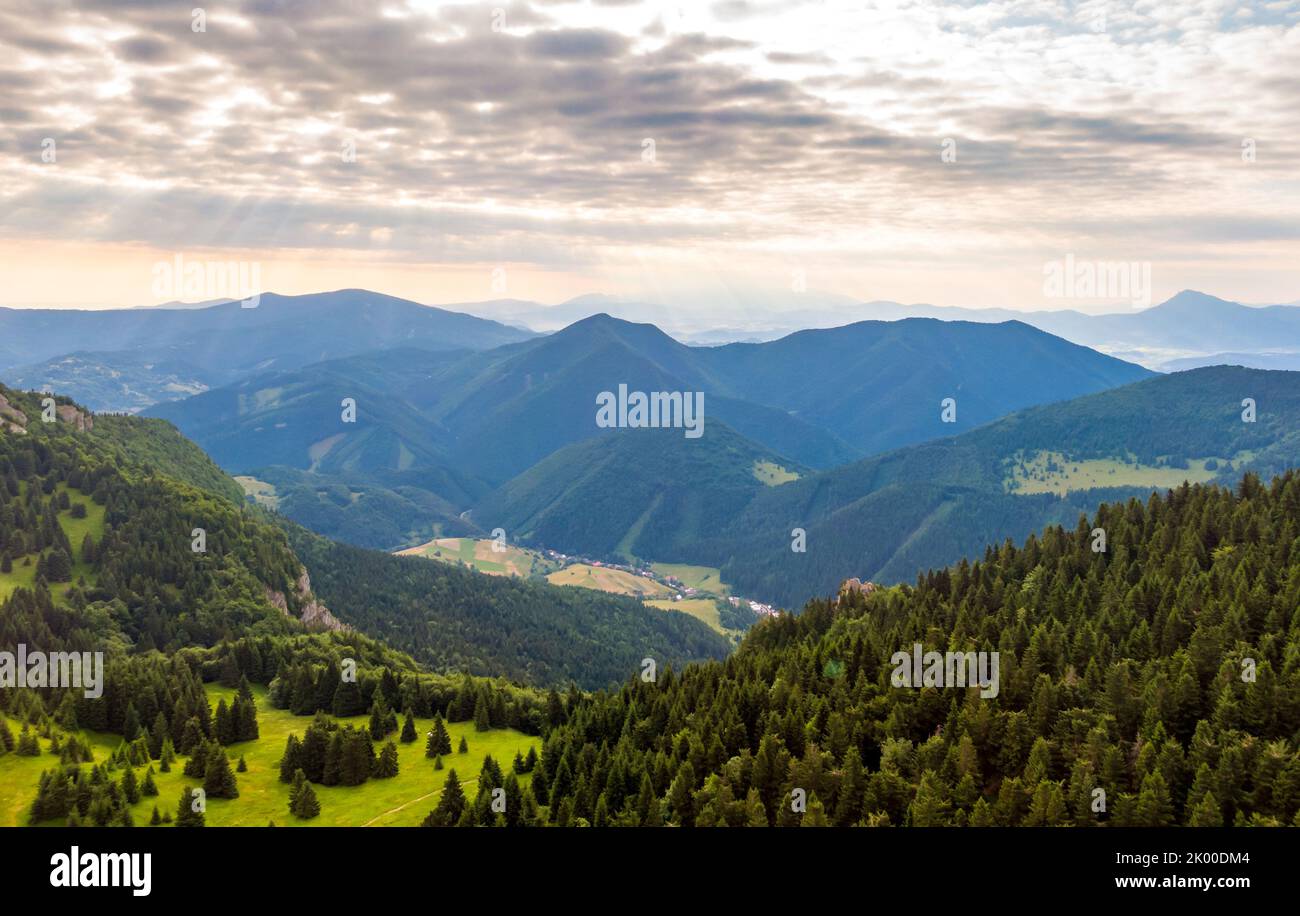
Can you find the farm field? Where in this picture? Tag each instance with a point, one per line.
(703, 609)
(601, 578)
(478, 553)
(404, 800)
(701, 578)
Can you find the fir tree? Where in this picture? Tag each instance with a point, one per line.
(386, 768)
(451, 804)
(186, 813)
(218, 780)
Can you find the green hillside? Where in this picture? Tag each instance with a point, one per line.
(889, 517)
(451, 618)
(1156, 683)
(636, 492)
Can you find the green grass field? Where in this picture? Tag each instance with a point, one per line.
(24, 576)
(703, 609)
(262, 492)
(478, 553)
(404, 800)
(772, 474)
(702, 578)
(1052, 472)
(604, 579)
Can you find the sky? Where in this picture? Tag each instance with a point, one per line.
(697, 154)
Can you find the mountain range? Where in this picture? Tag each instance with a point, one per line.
(123, 357)
(894, 445)
(459, 425)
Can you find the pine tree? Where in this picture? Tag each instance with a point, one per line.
(130, 787)
(1207, 813)
(464, 746)
(186, 815)
(451, 804)
(306, 805)
(481, 715)
(408, 728)
(378, 717)
(386, 768)
(295, 788)
(218, 780)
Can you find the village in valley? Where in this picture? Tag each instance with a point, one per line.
(695, 590)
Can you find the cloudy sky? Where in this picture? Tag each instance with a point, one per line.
(738, 151)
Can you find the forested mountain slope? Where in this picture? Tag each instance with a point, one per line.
(1161, 676)
(636, 492)
(450, 618)
(886, 518)
(97, 548)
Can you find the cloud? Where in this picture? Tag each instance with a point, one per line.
(813, 127)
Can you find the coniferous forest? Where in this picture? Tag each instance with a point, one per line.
(1148, 677)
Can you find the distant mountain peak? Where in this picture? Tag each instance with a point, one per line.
(1190, 298)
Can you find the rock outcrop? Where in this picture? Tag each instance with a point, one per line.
(11, 418)
(856, 586)
(78, 418)
(314, 614)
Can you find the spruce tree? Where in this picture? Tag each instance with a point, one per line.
(451, 804)
(218, 779)
(386, 768)
(481, 715)
(306, 805)
(186, 815)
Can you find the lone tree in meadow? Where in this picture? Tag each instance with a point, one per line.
(408, 728)
(439, 741)
(386, 765)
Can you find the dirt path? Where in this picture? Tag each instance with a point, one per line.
(407, 804)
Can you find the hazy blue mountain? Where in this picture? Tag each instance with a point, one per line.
(226, 342)
(879, 385)
(123, 381)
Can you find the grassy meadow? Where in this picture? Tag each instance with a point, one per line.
(402, 801)
(602, 578)
(24, 567)
(1052, 472)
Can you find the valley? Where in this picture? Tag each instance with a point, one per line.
(695, 591)
(619, 547)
